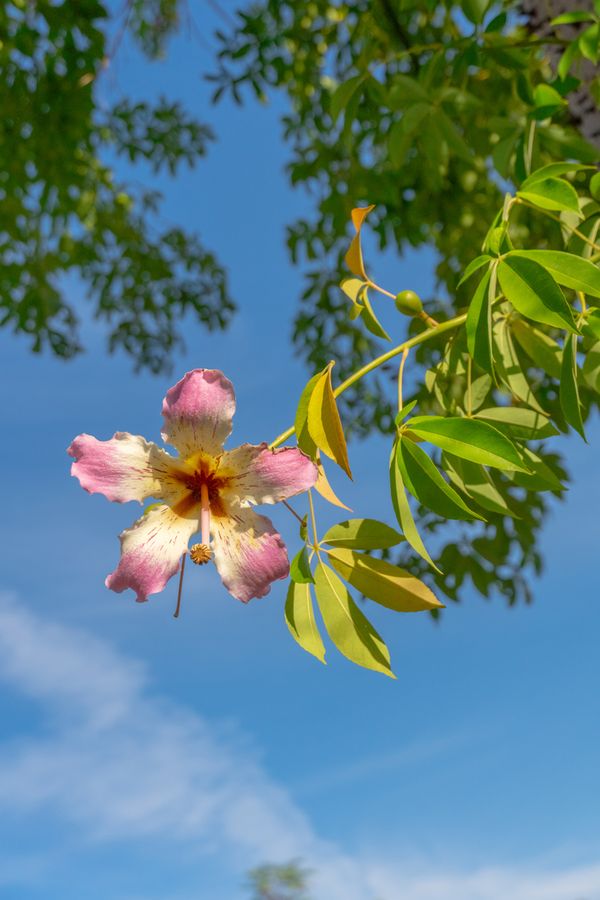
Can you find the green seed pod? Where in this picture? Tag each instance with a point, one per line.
(409, 303)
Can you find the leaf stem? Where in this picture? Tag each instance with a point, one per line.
(313, 523)
(449, 325)
(400, 378)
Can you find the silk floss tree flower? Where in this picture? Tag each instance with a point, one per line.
(205, 489)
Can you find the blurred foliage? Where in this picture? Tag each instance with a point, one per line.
(288, 881)
(64, 214)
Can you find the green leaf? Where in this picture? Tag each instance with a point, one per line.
(348, 628)
(570, 17)
(480, 388)
(454, 140)
(591, 327)
(569, 392)
(567, 269)
(343, 93)
(479, 323)
(474, 266)
(470, 439)
(353, 287)
(300, 619)
(404, 513)
(509, 367)
(300, 568)
(567, 59)
(525, 424)
(362, 534)
(553, 169)
(405, 90)
(541, 477)
(591, 368)
(588, 43)
(371, 321)
(404, 412)
(383, 582)
(323, 421)
(477, 483)
(305, 442)
(551, 193)
(545, 96)
(543, 350)
(534, 293)
(425, 482)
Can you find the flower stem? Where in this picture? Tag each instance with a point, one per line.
(449, 325)
(178, 606)
(293, 511)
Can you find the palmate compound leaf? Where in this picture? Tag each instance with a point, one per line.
(300, 619)
(354, 257)
(323, 421)
(348, 628)
(426, 483)
(534, 292)
(383, 582)
(403, 510)
(470, 439)
(479, 323)
(362, 534)
(569, 391)
(566, 268)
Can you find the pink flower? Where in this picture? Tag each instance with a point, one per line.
(205, 489)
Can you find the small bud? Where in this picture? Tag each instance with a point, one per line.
(200, 554)
(409, 303)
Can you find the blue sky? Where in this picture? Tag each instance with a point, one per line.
(145, 758)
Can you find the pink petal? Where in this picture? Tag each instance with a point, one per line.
(198, 412)
(249, 554)
(150, 552)
(126, 467)
(267, 476)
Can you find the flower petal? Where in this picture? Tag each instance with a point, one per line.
(150, 552)
(127, 467)
(262, 475)
(198, 411)
(249, 553)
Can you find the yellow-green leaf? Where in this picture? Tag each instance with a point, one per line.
(542, 349)
(567, 269)
(403, 511)
(324, 424)
(348, 628)
(470, 439)
(383, 582)
(323, 487)
(534, 293)
(300, 619)
(300, 568)
(569, 391)
(509, 367)
(479, 323)
(362, 534)
(523, 423)
(426, 483)
(305, 442)
(477, 483)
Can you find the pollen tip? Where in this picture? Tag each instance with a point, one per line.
(200, 554)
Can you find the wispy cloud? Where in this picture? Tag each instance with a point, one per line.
(120, 762)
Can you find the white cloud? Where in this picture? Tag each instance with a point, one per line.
(121, 763)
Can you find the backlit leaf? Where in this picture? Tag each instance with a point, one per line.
(425, 482)
(348, 628)
(470, 439)
(305, 442)
(567, 269)
(543, 350)
(569, 392)
(479, 324)
(509, 367)
(474, 266)
(477, 483)
(371, 321)
(300, 568)
(404, 512)
(383, 582)
(362, 534)
(323, 487)
(354, 257)
(523, 423)
(591, 368)
(551, 193)
(300, 619)
(324, 424)
(534, 293)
